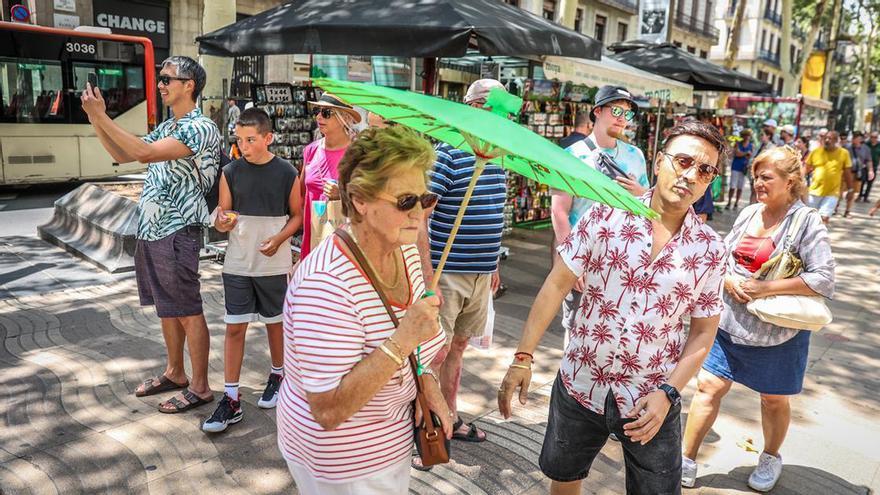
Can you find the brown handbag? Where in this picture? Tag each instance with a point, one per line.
(432, 444)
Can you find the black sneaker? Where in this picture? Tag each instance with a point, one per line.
(270, 395)
(228, 412)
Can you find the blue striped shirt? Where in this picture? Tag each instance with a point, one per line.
(476, 247)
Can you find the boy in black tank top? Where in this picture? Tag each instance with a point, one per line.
(261, 209)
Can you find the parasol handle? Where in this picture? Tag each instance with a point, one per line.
(479, 166)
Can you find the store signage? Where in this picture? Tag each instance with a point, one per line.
(65, 21)
(653, 20)
(65, 5)
(360, 69)
(134, 18)
(272, 93)
(490, 70)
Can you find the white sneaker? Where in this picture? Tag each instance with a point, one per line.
(767, 473)
(688, 472)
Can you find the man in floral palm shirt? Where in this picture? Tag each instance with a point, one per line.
(629, 352)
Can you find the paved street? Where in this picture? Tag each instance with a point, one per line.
(72, 355)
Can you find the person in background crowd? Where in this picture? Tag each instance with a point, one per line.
(786, 135)
(705, 206)
(630, 353)
(612, 112)
(830, 166)
(768, 140)
(583, 126)
(863, 162)
(172, 213)
(819, 140)
(232, 115)
(802, 144)
(261, 208)
(769, 128)
(874, 145)
(768, 359)
(345, 414)
(739, 166)
(470, 276)
(321, 158)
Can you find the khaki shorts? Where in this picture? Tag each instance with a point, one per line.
(465, 304)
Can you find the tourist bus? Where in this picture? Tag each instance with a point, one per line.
(44, 134)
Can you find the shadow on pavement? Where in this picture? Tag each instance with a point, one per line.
(795, 480)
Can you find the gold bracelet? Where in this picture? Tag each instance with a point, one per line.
(393, 356)
(399, 349)
(521, 366)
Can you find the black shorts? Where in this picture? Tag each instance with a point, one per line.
(575, 435)
(252, 299)
(167, 273)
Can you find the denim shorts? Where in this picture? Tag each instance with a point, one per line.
(575, 435)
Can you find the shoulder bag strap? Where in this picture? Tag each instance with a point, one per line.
(345, 237)
(590, 144)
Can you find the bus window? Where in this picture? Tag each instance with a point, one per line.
(122, 86)
(31, 91)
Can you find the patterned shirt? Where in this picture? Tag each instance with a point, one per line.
(478, 242)
(629, 330)
(174, 190)
(629, 158)
(811, 245)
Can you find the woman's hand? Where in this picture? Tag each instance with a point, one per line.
(733, 286)
(421, 323)
(755, 289)
(331, 190)
(437, 403)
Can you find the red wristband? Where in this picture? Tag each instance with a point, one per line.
(519, 356)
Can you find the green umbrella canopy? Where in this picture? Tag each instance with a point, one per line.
(488, 135)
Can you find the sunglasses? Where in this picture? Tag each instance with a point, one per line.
(324, 112)
(682, 163)
(618, 111)
(166, 80)
(406, 202)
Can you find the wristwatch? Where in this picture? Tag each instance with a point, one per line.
(671, 393)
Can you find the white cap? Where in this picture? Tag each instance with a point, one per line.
(787, 128)
(770, 123)
(479, 89)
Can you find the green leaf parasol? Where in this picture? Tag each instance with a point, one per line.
(491, 137)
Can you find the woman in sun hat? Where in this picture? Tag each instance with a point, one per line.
(336, 121)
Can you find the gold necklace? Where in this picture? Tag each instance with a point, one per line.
(379, 279)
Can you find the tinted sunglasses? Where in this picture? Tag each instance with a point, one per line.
(683, 162)
(324, 112)
(628, 115)
(166, 80)
(406, 202)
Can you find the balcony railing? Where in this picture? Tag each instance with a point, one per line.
(696, 26)
(769, 56)
(629, 6)
(773, 16)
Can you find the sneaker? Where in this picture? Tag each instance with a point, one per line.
(270, 395)
(766, 474)
(228, 412)
(688, 472)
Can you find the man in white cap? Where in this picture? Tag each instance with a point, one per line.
(470, 276)
(819, 140)
(786, 135)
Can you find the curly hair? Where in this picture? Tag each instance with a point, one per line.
(788, 162)
(374, 157)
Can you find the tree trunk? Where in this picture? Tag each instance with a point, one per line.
(812, 36)
(836, 11)
(867, 50)
(732, 49)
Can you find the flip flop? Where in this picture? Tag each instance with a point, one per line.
(192, 399)
(473, 434)
(164, 385)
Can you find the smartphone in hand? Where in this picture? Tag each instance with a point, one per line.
(93, 80)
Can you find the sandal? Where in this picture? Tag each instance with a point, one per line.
(417, 464)
(158, 385)
(473, 434)
(177, 406)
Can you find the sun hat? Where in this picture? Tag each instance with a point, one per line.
(327, 100)
(479, 89)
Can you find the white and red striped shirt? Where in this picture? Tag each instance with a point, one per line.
(333, 319)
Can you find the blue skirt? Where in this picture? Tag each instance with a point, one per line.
(774, 370)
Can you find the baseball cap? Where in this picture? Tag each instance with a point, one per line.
(609, 93)
(787, 128)
(479, 89)
(771, 123)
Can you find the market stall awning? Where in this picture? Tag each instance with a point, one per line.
(609, 71)
(403, 28)
(670, 61)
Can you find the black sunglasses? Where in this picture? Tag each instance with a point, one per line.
(166, 80)
(684, 162)
(325, 112)
(406, 202)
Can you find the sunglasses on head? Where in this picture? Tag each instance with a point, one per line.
(682, 163)
(324, 112)
(618, 111)
(166, 80)
(406, 202)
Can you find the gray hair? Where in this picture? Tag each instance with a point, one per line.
(189, 68)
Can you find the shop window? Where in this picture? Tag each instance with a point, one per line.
(622, 29)
(599, 33)
(31, 91)
(579, 20)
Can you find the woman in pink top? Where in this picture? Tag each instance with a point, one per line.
(321, 158)
(345, 411)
